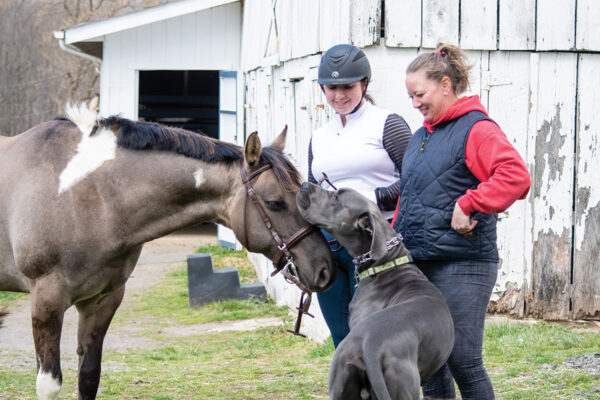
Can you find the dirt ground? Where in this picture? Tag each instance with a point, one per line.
(158, 258)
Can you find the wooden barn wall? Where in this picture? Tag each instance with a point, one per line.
(205, 40)
(535, 67)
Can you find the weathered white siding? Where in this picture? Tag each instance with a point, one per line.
(205, 40)
(586, 278)
(517, 25)
(528, 73)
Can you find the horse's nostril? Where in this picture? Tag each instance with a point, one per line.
(324, 276)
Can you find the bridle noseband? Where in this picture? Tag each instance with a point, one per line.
(289, 270)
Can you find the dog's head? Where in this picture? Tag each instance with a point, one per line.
(351, 218)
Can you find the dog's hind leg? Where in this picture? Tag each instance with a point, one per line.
(347, 380)
(403, 380)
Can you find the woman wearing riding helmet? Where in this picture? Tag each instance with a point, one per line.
(360, 148)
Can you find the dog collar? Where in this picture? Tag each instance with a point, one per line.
(372, 271)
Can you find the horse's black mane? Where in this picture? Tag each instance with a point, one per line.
(146, 135)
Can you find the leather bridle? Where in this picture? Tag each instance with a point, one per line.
(289, 270)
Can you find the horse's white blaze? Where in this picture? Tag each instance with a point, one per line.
(92, 151)
(47, 388)
(199, 177)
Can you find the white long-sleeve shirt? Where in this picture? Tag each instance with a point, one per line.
(354, 155)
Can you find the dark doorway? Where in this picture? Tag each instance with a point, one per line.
(186, 99)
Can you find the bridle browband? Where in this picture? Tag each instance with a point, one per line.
(289, 270)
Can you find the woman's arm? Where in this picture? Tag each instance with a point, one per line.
(396, 135)
(497, 164)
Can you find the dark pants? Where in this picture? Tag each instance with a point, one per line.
(335, 301)
(466, 287)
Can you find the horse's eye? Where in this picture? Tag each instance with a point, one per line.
(276, 205)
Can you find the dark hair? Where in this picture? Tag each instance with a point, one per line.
(447, 60)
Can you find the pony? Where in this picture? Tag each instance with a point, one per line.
(79, 197)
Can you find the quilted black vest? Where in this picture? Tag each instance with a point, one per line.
(434, 176)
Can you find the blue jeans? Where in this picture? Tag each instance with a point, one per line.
(466, 287)
(335, 301)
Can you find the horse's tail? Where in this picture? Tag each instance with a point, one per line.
(3, 313)
(373, 366)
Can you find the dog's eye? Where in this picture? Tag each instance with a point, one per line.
(335, 197)
(276, 205)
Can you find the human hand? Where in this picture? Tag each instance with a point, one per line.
(461, 222)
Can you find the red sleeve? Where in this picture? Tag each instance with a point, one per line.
(497, 164)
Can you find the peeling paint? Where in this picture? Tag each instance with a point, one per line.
(582, 200)
(548, 143)
(550, 294)
(511, 301)
(586, 262)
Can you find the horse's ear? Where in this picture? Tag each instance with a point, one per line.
(372, 221)
(252, 150)
(279, 142)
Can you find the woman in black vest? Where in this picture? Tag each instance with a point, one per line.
(459, 170)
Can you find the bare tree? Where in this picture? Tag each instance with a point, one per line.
(36, 77)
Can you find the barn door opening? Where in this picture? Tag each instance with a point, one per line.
(185, 99)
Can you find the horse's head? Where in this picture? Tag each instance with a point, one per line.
(267, 220)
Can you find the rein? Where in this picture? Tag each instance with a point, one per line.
(289, 270)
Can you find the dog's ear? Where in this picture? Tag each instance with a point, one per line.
(373, 222)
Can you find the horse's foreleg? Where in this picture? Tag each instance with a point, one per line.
(47, 312)
(94, 319)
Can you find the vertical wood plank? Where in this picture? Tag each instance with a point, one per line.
(478, 21)
(508, 105)
(365, 22)
(305, 28)
(586, 257)
(552, 190)
(555, 24)
(334, 23)
(258, 41)
(251, 104)
(403, 23)
(285, 27)
(588, 29)
(517, 25)
(440, 22)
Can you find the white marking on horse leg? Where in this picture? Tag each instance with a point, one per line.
(47, 388)
(199, 177)
(92, 151)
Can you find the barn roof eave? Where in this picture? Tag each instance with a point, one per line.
(96, 30)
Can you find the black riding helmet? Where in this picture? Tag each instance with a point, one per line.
(342, 64)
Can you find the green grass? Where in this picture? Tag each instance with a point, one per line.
(269, 363)
(519, 358)
(8, 297)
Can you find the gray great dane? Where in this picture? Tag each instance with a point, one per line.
(401, 330)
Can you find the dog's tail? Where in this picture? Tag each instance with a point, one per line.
(373, 365)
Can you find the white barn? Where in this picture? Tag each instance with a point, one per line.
(536, 69)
